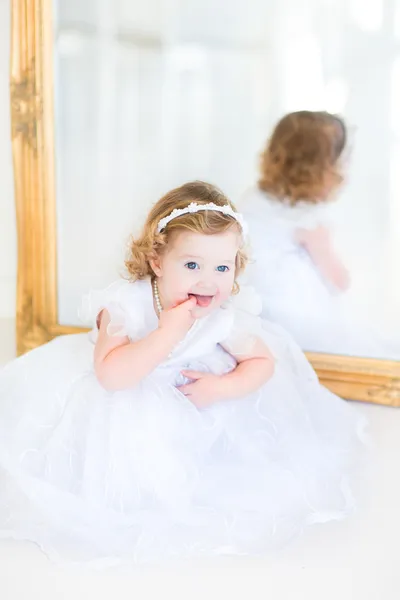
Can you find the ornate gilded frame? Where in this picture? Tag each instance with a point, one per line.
(31, 91)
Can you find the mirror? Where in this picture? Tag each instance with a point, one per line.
(129, 100)
(145, 99)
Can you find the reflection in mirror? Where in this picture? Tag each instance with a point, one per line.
(149, 96)
(307, 285)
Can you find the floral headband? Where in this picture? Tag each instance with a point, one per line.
(226, 209)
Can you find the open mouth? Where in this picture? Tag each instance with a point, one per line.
(203, 301)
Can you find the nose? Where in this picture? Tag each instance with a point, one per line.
(207, 284)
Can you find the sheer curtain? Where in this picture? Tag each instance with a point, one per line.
(150, 95)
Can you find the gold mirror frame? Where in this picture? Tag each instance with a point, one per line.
(31, 89)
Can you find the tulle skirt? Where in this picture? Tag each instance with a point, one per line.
(143, 475)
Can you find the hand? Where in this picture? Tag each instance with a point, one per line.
(341, 278)
(178, 320)
(205, 390)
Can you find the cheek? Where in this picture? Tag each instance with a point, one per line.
(174, 280)
(226, 286)
(178, 282)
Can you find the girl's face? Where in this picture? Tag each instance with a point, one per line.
(198, 265)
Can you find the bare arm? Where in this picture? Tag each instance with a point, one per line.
(319, 246)
(252, 371)
(120, 364)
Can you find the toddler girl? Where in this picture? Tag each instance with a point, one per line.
(190, 427)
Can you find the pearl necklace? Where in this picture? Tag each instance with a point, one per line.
(157, 297)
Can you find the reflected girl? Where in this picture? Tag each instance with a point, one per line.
(296, 267)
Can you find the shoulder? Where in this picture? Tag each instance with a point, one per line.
(244, 306)
(247, 300)
(123, 296)
(311, 216)
(253, 201)
(259, 212)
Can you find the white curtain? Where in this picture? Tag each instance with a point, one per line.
(150, 95)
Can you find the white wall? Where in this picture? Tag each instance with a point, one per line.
(8, 250)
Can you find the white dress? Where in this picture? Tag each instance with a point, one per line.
(293, 292)
(140, 475)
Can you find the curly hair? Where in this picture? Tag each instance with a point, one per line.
(152, 243)
(301, 160)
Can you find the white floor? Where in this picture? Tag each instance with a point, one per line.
(352, 560)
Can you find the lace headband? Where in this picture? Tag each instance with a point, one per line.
(194, 208)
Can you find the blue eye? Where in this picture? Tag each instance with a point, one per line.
(222, 268)
(192, 266)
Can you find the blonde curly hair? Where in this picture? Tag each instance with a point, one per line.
(301, 160)
(151, 243)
